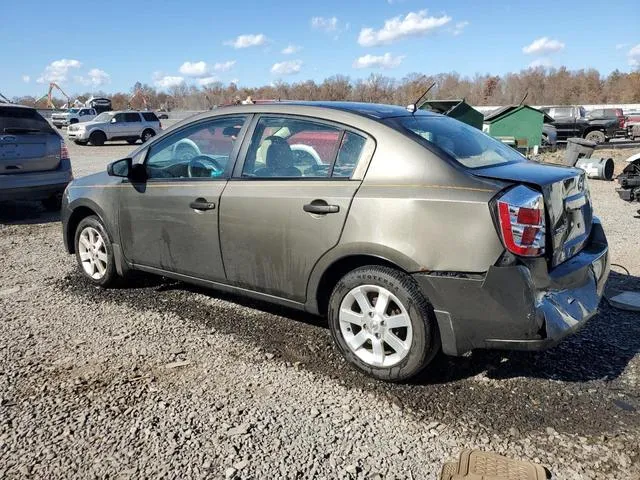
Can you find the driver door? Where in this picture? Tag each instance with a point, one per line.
(170, 221)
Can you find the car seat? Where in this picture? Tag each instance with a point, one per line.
(279, 160)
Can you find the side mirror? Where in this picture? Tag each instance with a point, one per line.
(120, 168)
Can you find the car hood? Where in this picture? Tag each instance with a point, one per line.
(93, 124)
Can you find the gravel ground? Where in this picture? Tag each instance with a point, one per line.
(164, 380)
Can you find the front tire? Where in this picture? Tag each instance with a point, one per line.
(94, 252)
(596, 136)
(97, 139)
(382, 324)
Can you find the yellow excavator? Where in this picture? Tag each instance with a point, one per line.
(49, 95)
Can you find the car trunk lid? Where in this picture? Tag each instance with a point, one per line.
(28, 152)
(567, 201)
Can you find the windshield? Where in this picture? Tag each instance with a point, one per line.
(104, 117)
(466, 144)
(74, 110)
(14, 119)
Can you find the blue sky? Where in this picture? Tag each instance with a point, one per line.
(199, 41)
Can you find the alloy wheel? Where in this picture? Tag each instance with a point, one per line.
(375, 325)
(93, 253)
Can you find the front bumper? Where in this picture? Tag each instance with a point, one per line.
(78, 134)
(60, 122)
(520, 307)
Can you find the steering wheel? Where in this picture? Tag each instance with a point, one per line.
(185, 150)
(202, 162)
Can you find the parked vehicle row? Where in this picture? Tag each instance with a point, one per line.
(378, 217)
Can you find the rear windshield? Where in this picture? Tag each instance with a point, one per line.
(14, 119)
(467, 145)
(150, 116)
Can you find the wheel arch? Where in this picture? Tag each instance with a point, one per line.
(80, 211)
(334, 265)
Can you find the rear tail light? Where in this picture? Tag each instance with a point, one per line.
(64, 151)
(522, 221)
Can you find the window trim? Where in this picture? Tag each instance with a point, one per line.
(358, 172)
(233, 156)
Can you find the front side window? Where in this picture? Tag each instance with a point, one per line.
(202, 150)
(283, 147)
(119, 117)
(467, 145)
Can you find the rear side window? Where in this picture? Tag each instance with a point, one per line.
(132, 117)
(14, 119)
(150, 116)
(466, 144)
(283, 147)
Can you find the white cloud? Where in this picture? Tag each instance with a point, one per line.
(166, 81)
(245, 41)
(203, 82)
(194, 69)
(97, 77)
(26, 78)
(224, 66)
(378, 61)
(634, 56)
(286, 68)
(413, 24)
(58, 70)
(325, 24)
(541, 62)
(459, 27)
(543, 46)
(291, 49)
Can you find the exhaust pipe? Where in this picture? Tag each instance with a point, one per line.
(597, 168)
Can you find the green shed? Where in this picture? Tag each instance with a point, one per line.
(458, 109)
(519, 122)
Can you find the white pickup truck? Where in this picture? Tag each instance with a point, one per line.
(73, 115)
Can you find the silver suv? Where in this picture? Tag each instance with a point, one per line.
(125, 125)
(412, 232)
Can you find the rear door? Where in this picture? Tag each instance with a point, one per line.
(133, 124)
(27, 141)
(170, 221)
(288, 201)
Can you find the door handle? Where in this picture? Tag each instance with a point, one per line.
(202, 204)
(320, 207)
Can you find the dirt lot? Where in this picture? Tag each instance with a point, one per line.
(164, 380)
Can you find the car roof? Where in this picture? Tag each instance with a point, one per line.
(372, 110)
(375, 111)
(15, 105)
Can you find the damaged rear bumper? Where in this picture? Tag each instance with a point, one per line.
(519, 307)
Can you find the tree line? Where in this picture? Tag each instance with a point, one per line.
(542, 86)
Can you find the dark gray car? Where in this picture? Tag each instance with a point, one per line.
(411, 232)
(34, 162)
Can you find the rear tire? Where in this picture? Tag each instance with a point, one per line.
(94, 252)
(97, 139)
(596, 136)
(80, 142)
(393, 342)
(147, 135)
